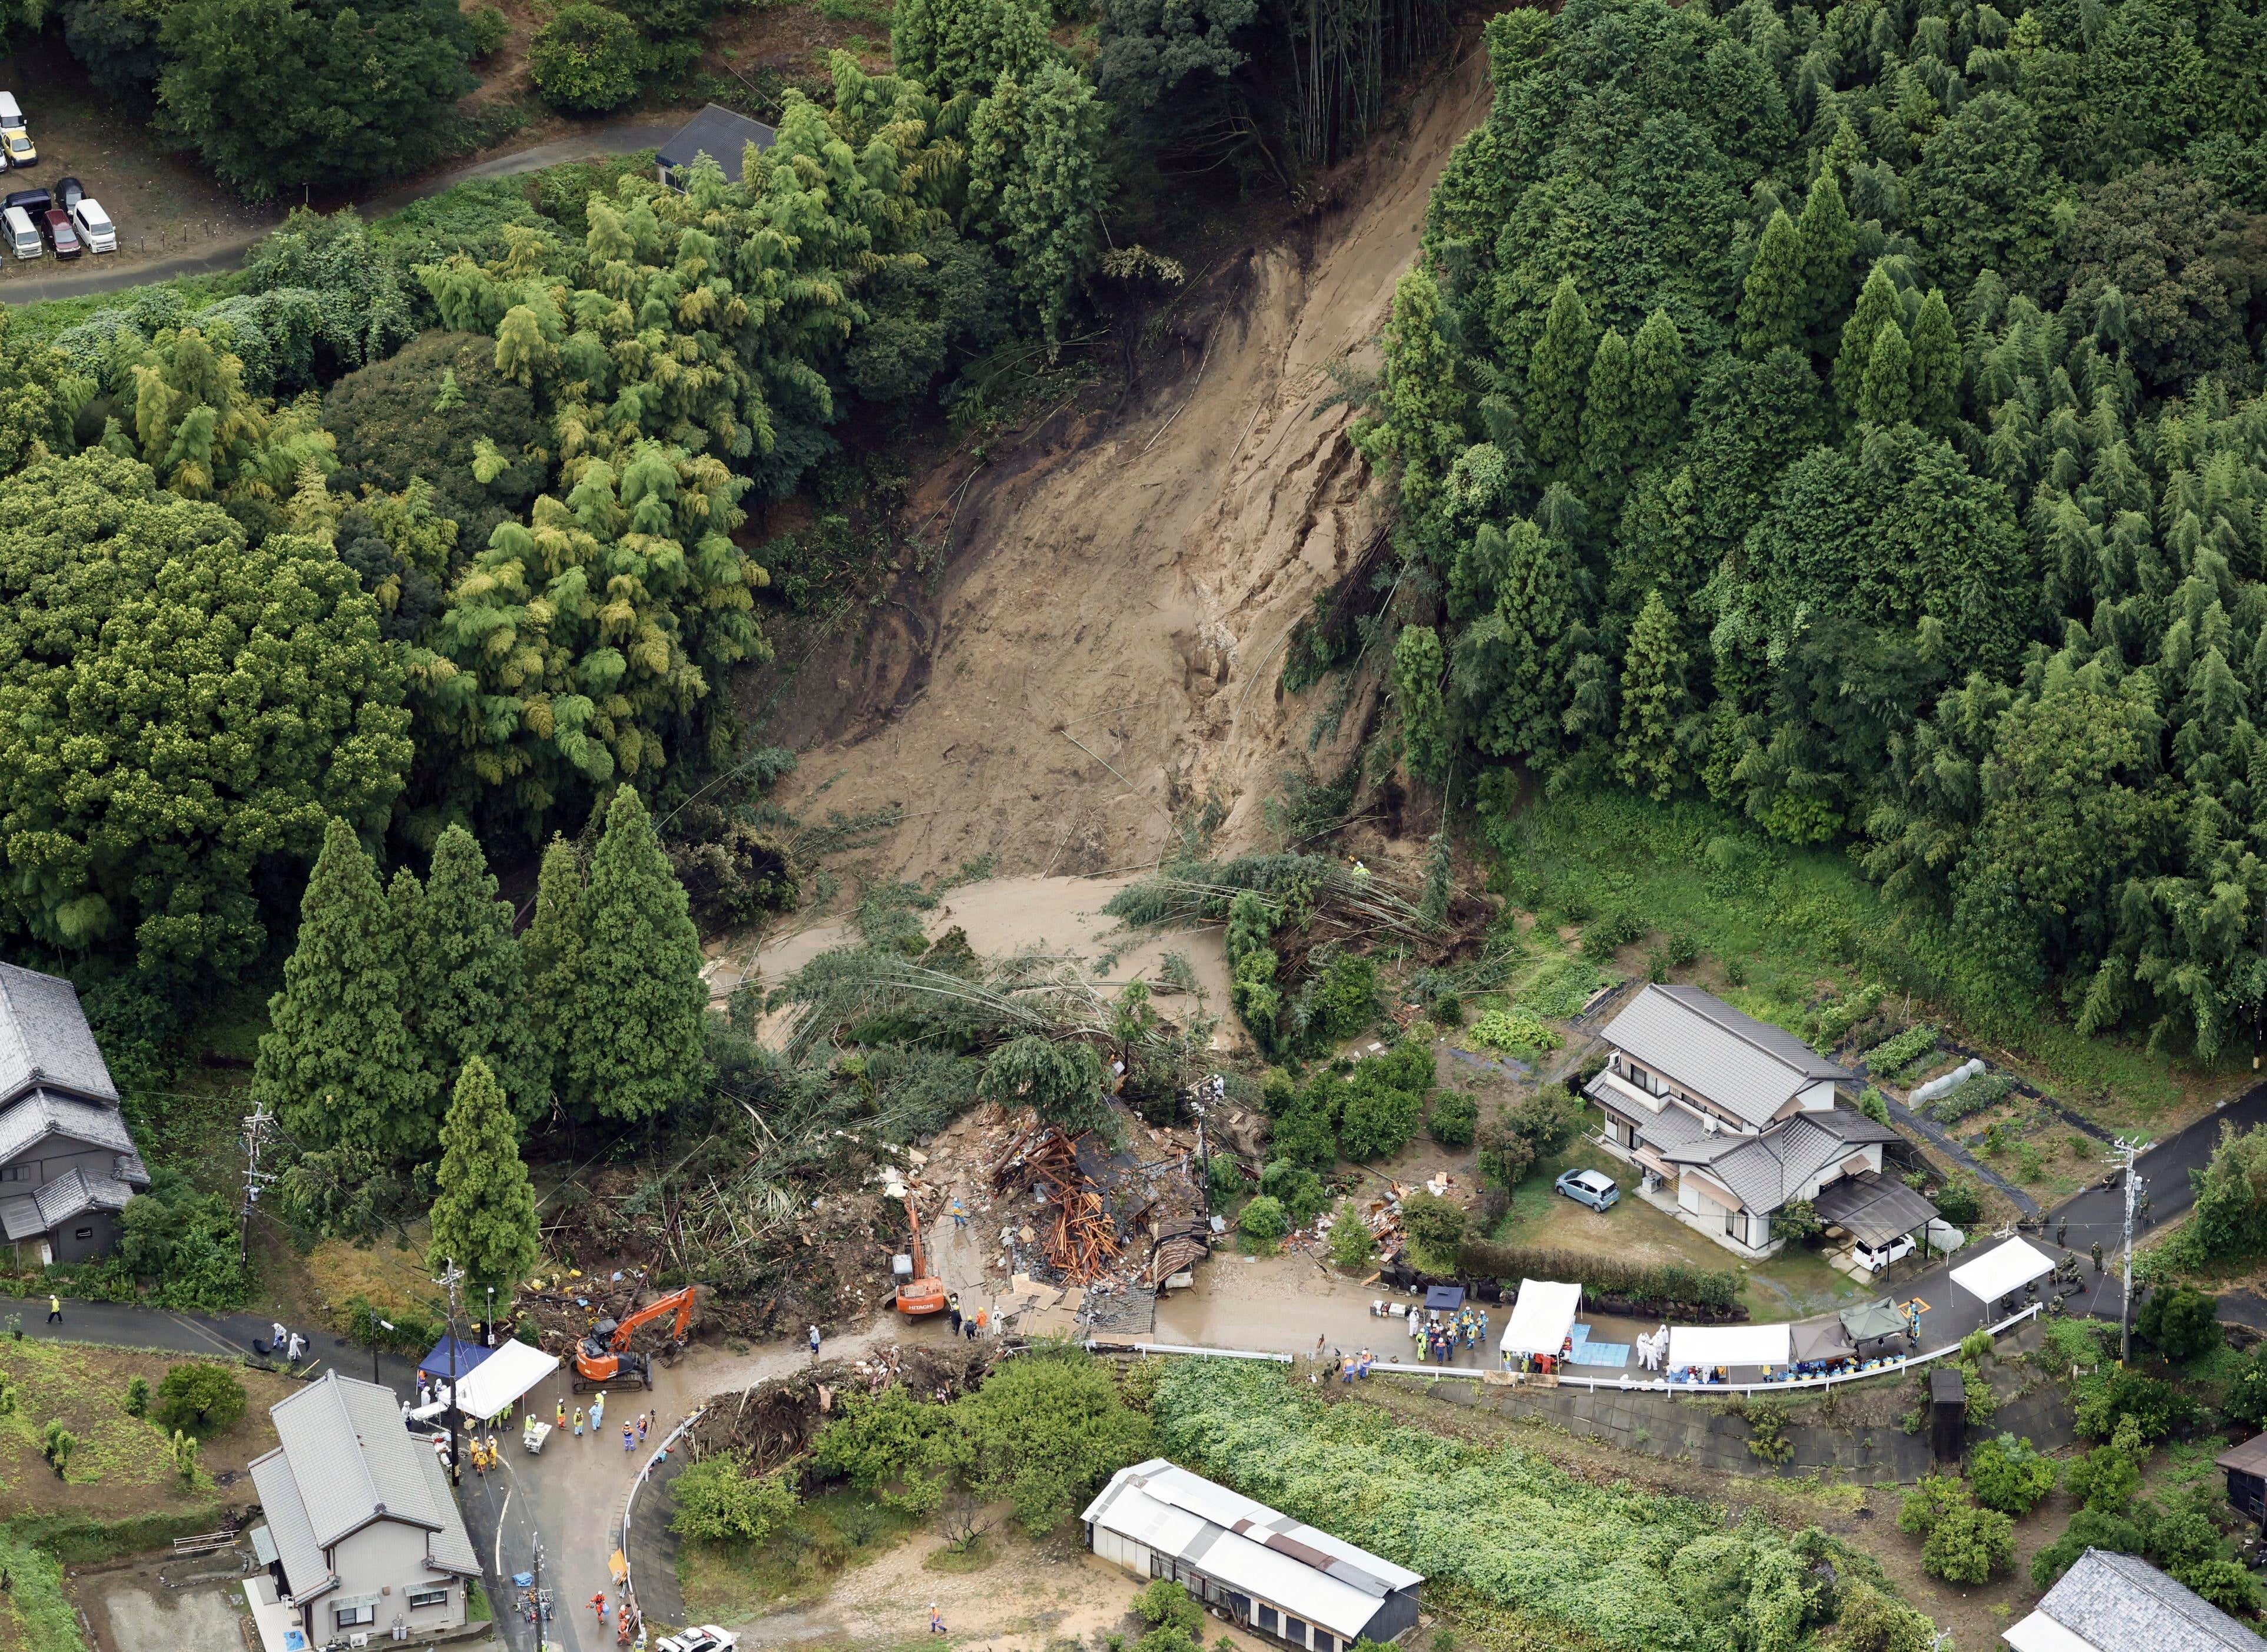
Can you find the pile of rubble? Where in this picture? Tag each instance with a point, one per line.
(1081, 1240)
(775, 1421)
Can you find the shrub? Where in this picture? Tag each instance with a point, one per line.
(718, 1500)
(1263, 1220)
(2109, 1397)
(2104, 1479)
(1929, 1500)
(1610, 931)
(486, 29)
(1976, 1345)
(586, 59)
(1671, 1284)
(1350, 1239)
(138, 1397)
(1796, 1220)
(1434, 1230)
(1377, 1122)
(1874, 1106)
(200, 1399)
(2179, 1321)
(2246, 1401)
(1868, 1620)
(1297, 1189)
(1304, 1135)
(1455, 1117)
(1958, 1203)
(2010, 1475)
(1339, 1002)
(1224, 1178)
(1970, 1545)
(2088, 1529)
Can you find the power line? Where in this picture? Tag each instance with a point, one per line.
(2124, 1152)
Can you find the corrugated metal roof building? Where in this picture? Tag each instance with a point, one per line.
(1274, 1577)
(2120, 1603)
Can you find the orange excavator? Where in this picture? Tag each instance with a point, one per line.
(919, 1290)
(604, 1359)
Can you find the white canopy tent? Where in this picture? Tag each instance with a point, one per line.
(1709, 1345)
(502, 1377)
(2004, 1268)
(1541, 1319)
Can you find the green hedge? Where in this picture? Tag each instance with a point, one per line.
(1602, 1276)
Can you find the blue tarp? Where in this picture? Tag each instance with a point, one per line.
(436, 1362)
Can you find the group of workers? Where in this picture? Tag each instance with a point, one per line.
(1437, 1337)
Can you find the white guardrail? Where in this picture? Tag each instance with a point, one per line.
(1623, 1383)
(629, 1503)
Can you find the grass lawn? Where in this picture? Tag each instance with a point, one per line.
(35, 1614)
(1795, 1283)
(121, 1469)
(733, 1582)
(1778, 926)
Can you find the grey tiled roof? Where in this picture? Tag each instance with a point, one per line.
(1768, 1169)
(2118, 1601)
(19, 1218)
(304, 1570)
(41, 1111)
(74, 1193)
(44, 1037)
(131, 1169)
(349, 1458)
(1853, 1125)
(1741, 1064)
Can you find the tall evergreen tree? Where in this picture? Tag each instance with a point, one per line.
(475, 1003)
(633, 1043)
(1416, 661)
(1885, 393)
(1829, 242)
(337, 1064)
(1772, 299)
(1935, 364)
(1510, 665)
(483, 1207)
(551, 958)
(1423, 415)
(415, 1130)
(1608, 422)
(1654, 698)
(1877, 303)
(1659, 377)
(1555, 374)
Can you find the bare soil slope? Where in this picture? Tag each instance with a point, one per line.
(1128, 590)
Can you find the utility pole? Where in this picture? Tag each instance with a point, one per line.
(2123, 1151)
(257, 1124)
(539, 1598)
(449, 1277)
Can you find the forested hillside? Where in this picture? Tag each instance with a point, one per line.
(1850, 412)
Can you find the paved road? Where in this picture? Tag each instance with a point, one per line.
(216, 1336)
(90, 275)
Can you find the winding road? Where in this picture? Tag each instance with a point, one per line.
(90, 275)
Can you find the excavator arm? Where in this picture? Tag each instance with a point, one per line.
(678, 1303)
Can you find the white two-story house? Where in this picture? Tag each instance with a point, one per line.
(361, 1520)
(1729, 1119)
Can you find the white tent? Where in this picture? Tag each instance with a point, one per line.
(1710, 1346)
(2004, 1268)
(1542, 1316)
(502, 1377)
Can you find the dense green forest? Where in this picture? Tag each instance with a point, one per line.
(1850, 413)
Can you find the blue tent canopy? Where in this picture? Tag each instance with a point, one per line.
(436, 1362)
(1448, 1297)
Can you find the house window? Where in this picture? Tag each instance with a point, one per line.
(15, 1173)
(1267, 1619)
(82, 1233)
(349, 1617)
(1295, 1629)
(420, 1597)
(1323, 1642)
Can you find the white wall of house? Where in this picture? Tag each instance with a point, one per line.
(1134, 1557)
(1818, 1097)
(389, 1555)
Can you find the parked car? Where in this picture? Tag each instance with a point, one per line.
(94, 226)
(34, 202)
(61, 235)
(707, 1638)
(15, 137)
(1589, 1187)
(23, 238)
(68, 191)
(1877, 1259)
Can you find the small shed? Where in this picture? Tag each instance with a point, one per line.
(718, 133)
(2246, 1468)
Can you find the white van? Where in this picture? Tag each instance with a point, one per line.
(94, 226)
(23, 240)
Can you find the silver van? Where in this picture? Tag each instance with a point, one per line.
(23, 238)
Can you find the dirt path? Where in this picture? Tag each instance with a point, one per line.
(1106, 653)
